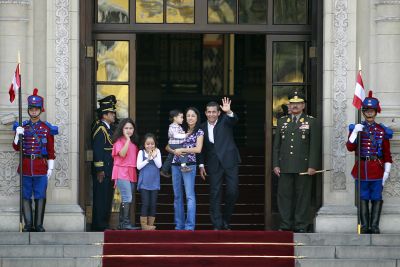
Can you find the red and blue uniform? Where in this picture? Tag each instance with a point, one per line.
(375, 152)
(38, 147)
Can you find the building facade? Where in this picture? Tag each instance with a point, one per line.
(155, 55)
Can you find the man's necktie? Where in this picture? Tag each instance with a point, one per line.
(294, 119)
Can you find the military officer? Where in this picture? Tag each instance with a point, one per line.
(37, 163)
(103, 191)
(376, 162)
(295, 150)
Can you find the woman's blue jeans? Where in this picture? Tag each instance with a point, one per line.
(184, 180)
(127, 190)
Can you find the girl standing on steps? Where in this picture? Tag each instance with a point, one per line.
(149, 164)
(124, 153)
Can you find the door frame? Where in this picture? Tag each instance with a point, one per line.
(90, 30)
(269, 220)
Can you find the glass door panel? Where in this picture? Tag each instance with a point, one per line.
(112, 11)
(287, 70)
(180, 11)
(115, 72)
(291, 11)
(112, 61)
(149, 11)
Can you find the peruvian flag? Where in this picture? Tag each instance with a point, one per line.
(359, 93)
(15, 85)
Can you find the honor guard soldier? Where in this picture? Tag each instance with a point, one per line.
(37, 162)
(375, 161)
(296, 149)
(103, 191)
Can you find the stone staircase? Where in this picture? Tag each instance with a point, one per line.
(350, 250)
(74, 249)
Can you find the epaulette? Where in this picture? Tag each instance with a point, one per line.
(53, 128)
(100, 128)
(16, 124)
(388, 131)
(105, 133)
(95, 125)
(351, 127)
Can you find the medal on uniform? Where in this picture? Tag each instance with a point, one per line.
(288, 120)
(302, 120)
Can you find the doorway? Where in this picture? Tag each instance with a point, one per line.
(175, 71)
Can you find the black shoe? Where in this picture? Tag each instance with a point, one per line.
(300, 231)
(285, 230)
(226, 226)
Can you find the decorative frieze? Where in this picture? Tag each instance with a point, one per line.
(9, 178)
(392, 185)
(339, 132)
(62, 68)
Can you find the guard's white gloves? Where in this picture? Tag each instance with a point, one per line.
(18, 131)
(388, 166)
(50, 167)
(353, 136)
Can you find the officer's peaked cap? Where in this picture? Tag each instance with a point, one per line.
(296, 97)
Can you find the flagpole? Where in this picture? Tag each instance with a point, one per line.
(20, 143)
(359, 165)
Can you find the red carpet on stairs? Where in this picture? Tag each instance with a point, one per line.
(198, 248)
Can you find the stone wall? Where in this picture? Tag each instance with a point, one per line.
(369, 30)
(46, 35)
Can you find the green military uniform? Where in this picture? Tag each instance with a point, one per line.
(296, 148)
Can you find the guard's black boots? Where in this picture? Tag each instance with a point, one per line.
(375, 216)
(39, 214)
(364, 216)
(27, 211)
(124, 217)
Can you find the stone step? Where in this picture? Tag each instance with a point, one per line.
(346, 263)
(348, 252)
(50, 262)
(338, 239)
(50, 251)
(51, 238)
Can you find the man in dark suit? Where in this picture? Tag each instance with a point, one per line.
(296, 150)
(222, 158)
(103, 191)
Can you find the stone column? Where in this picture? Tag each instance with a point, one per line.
(51, 39)
(338, 213)
(14, 37)
(385, 66)
(369, 30)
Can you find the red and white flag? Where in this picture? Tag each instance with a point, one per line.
(359, 93)
(15, 85)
